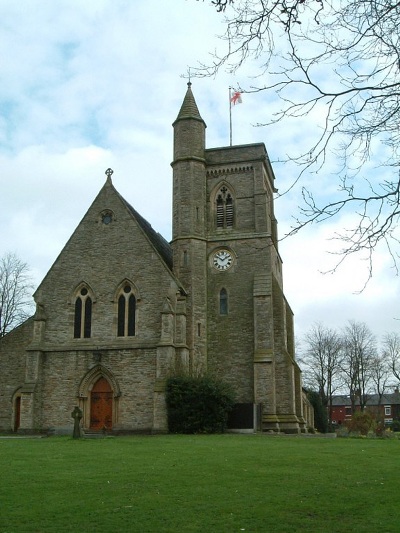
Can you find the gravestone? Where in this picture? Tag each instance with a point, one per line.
(77, 416)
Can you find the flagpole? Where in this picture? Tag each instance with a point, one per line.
(230, 117)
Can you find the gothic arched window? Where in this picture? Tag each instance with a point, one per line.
(126, 312)
(223, 302)
(83, 314)
(224, 208)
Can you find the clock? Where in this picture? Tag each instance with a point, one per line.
(222, 260)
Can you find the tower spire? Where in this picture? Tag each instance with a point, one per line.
(189, 129)
(189, 107)
(189, 223)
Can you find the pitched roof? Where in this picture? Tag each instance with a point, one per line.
(157, 240)
(373, 399)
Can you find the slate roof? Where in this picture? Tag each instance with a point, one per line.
(160, 244)
(373, 399)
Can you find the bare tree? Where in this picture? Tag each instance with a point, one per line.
(220, 5)
(391, 351)
(322, 363)
(359, 352)
(381, 374)
(339, 61)
(15, 292)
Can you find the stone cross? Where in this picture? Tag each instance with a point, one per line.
(109, 172)
(77, 416)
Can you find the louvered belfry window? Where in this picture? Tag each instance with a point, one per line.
(225, 208)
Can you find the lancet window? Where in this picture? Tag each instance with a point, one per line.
(223, 302)
(126, 312)
(83, 314)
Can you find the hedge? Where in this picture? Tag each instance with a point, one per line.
(198, 405)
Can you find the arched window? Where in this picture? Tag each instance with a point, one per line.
(224, 208)
(223, 302)
(83, 315)
(126, 312)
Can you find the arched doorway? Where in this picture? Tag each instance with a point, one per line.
(101, 405)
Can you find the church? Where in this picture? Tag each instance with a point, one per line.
(122, 309)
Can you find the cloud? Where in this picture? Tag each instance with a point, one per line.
(316, 294)
(92, 85)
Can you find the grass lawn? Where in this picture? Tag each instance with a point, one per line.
(210, 483)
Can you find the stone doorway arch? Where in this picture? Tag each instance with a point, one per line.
(98, 397)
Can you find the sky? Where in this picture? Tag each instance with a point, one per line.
(90, 85)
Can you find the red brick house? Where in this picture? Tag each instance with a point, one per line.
(386, 408)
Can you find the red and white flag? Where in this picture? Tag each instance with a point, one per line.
(236, 98)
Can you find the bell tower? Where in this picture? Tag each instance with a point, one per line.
(239, 326)
(189, 224)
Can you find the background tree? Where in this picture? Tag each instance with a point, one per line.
(320, 414)
(15, 292)
(339, 61)
(359, 351)
(322, 363)
(381, 376)
(391, 351)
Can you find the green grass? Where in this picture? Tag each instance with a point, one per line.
(222, 483)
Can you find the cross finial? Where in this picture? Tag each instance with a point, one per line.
(109, 173)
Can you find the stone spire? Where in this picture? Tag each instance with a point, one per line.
(189, 224)
(189, 107)
(189, 130)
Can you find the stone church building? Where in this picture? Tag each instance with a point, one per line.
(121, 309)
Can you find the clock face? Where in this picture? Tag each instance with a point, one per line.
(222, 260)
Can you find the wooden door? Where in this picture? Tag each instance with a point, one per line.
(101, 400)
(17, 413)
